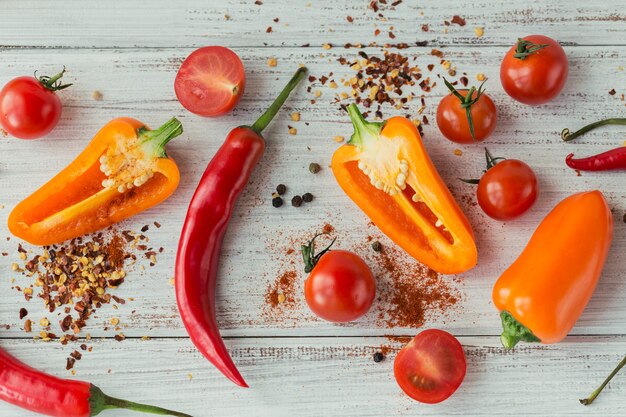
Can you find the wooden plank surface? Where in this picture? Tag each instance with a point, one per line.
(130, 51)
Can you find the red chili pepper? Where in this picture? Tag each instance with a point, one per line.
(39, 392)
(203, 232)
(613, 159)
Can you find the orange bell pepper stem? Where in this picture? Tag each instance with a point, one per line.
(544, 292)
(124, 170)
(386, 171)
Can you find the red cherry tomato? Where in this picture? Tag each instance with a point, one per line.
(453, 123)
(29, 107)
(341, 287)
(210, 81)
(507, 190)
(431, 367)
(540, 76)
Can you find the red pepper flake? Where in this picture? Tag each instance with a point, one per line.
(612, 92)
(430, 67)
(391, 35)
(350, 19)
(23, 313)
(276, 20)
(70, 363)
(437, 53)
(258, 2)
(464, 81)
(456, 19)
(425, 28)
(425, 120)
(76, 355)
(145, 228)
(268, 30)
(377, 32)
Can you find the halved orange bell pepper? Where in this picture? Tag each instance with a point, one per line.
(544, 292)
(123, 171)
(386, 171)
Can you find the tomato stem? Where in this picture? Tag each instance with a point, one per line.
(567, 136)
(523, 48)
(269, 114)
(52, 83)
(589, 400)
(467, 101)
(491, 162)
(309, 255)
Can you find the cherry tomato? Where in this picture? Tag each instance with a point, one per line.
(507, 190)
(341, 287)
(431, 367)
(29, 107)
(210, 81)
(453, 123)
(540, 76)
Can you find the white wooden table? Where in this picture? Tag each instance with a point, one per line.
(298, 365)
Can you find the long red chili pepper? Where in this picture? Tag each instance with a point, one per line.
(36, 391)
(613, 159)
(203, 232)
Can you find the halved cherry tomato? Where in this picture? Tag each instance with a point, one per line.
(210, 81)
(431, 367)
(29, 107)
(534, 70)
(453, 121)
(340, 287)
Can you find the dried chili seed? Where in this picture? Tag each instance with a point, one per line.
(307, 197)
(379, 357)
(277, 202)
(377, 246)
(296, 201)
(314, 168)
(281, 189)
(23, 313)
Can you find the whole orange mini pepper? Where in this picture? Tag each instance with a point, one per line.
(544, 292)
(123, 171)
(386, 171)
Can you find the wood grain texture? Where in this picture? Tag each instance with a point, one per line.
(130, 51)
(337, 376)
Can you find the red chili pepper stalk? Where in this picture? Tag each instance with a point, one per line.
(207, 219)
(41, 393)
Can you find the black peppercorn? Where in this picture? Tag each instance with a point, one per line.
(307, 198)
(376, 246)
(280, 189)
(296, 201)
(379, 357)
(314, 168)
(277, 202)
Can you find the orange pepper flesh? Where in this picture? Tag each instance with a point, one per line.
(75, 202)
(547, 288)
(433, 230)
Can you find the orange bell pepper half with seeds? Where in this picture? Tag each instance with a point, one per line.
(123, 171)
(386, 171)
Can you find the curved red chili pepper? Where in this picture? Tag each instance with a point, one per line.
(39, 392)
(613, 159)
(207, 219)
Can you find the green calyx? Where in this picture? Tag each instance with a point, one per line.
(99, 401)
(513, 331)
(364, 132)
(467, 101)
(308, 253)
(52, 83)
(158, 138)
(523, 48)
(491, 162)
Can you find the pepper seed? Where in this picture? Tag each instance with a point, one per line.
(307, 197)
(314, 168)
(277, 202)
(296, 201)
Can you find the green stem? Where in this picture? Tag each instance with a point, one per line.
(52, 83)
(513, 331)
(467, 101)
(308, 253)
(589, 400)
(566, 135)
(524, 48)
(99, 402)
(158, 138)
(364, 131)
(269, 114)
